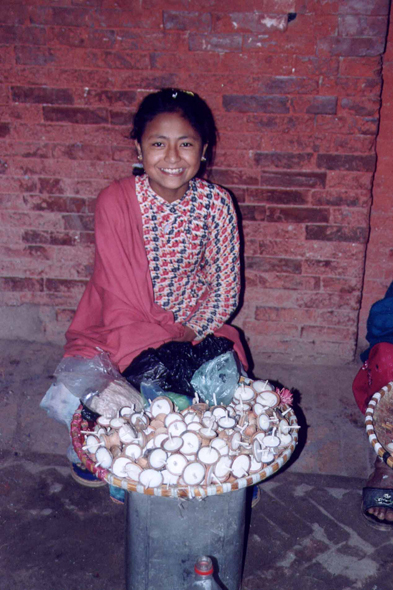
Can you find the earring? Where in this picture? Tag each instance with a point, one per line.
(139, 157)
(203, 159)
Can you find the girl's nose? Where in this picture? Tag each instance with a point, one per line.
(172, 154)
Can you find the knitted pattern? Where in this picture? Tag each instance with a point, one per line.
(192, 247)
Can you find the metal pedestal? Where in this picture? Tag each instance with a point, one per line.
(165, 536)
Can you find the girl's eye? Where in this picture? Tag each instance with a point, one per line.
(157, 144)
(186, 144)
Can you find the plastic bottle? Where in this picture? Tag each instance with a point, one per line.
(203, 579)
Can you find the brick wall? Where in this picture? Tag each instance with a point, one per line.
(379, 258)
(297, 105)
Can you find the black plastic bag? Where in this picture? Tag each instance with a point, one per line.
(172, 365)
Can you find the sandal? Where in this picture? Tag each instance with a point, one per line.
(377, 497)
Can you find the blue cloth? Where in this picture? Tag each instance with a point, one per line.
(380, 322)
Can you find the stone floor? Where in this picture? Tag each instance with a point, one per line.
(306, 532)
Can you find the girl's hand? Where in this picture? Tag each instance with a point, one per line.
(188, 336)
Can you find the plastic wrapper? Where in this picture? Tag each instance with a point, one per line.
(59, 403)
(150, 391)
(216, 380)
(172, 365)
(116, 395)
(95, 382)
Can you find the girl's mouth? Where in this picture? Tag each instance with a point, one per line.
(172, 171)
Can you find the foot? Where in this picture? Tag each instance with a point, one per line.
(377, 504)
(84, 477)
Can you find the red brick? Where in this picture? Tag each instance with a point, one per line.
(287, 85)
(76, 115)
(349, 180)
(276, 314)
(347, 124)
(33, 56)
(284, 197)
(352, 144)
(298, 45)
(338, 318)
(79, 151)
(5, 129)
(279, 124)
(78, 222)
(255, 104)
(268, 328)
(121, 117)
(215, 42)
(267, 264)
(350, 86)
(328, 300)
(187, 21)
(273, 6)
(293, 179)
(283, 231)
(282, 160)
(310, 65)
(21, 284)
(346, 162)
(197, 62)
(64, 286)
(131, 16)
(363, 107)
(13, 15)
(375, 7)
(341, 285)
(276, 247)
(252, 212)
(249, 22)
(362, 26)
(336, 334)
(106, 97)
(17, 185)
(336, 233)
(340, 198)
(227, 177)
(360, 67)
(297, 215)
(289, 282)
(40, 203)
(352, 46)
(317, 105)
(42, 95)
(333, 258)
(51, 238)
(352, 216)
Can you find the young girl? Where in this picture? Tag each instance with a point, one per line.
(167, 243)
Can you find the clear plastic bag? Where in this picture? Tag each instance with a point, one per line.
(216, 380)
(95, 382)
(59, 403)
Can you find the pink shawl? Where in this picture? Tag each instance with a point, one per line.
(117, 313)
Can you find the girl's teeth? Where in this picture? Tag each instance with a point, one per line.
(171, 171)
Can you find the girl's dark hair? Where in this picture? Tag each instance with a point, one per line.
(189, 105)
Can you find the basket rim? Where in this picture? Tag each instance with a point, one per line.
(179, 491)
(379, 449)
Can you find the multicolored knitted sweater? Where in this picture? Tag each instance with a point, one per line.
(192, 247)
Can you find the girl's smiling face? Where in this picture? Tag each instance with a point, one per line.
(171, 152)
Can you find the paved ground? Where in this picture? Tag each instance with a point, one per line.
(306, 532)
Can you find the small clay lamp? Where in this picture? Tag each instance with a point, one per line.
(176, 463)
(150, 478)
(194, 473)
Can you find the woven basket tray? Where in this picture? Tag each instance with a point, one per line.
(77, 437)
(379, 422)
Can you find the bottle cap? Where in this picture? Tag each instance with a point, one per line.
(204, 566)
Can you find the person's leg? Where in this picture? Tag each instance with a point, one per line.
(377, 502)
